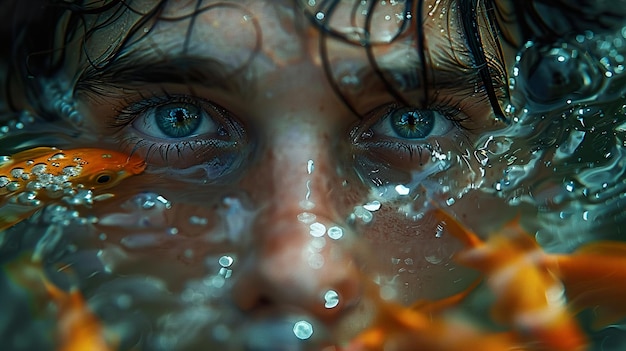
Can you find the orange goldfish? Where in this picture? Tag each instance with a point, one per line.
(594, 277)
(78, 328)
(529, 297)
(30, 177)
(423, 327)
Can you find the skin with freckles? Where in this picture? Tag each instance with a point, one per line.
(293, 152)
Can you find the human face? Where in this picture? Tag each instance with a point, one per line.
(284, 178)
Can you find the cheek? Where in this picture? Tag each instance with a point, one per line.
(412, 259)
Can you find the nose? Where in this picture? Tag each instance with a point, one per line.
(300, 259)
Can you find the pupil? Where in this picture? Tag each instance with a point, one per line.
(412, 124)
(177, 120)
(103, 179)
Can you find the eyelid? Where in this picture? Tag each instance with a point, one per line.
(220, 145)
(447, 110)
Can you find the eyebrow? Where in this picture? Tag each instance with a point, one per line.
(136, 70)
(446, 74)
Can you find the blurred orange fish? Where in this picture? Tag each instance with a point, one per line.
(594, 277)
(529, 297)
(31, 177)
(423, 327)
(77, 327)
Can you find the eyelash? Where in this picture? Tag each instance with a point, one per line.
(132, 110)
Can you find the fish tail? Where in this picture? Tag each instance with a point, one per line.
(462, 233)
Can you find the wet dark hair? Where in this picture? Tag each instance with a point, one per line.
(35, 48)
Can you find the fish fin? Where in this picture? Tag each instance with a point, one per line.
(35, 153)
(462, 233)
(427, 306)
(603, 248)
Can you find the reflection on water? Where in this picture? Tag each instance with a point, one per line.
(156, 265)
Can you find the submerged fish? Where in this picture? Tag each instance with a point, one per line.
(78, 328)
(528, 296)
(33, 177)
(423, 326)
(594, 277)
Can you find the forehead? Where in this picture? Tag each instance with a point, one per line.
(273, 33)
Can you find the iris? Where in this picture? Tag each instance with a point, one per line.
(178, 120)
(412, 124)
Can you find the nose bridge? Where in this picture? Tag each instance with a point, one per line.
(299, 257)
(303, 173)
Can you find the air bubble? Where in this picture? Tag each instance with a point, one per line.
(372, 206)
(335, 232)
(402, 190)
(39, 169)
(306, 217)
(316, 261)
(225, 261)
(13, 186)
(331, 299)
(317, 229)
(17, 172)
(198, 220)
(72, 171)
(56, 157)
(303, 330)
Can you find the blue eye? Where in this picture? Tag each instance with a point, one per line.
(409, 123)
(412, 124)
(178, 120)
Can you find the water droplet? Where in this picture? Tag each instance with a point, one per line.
(569, 186)
(372, 206)
(4, 181)
(303, 330)
(402, 190)
(335, 232)
(13, 186)
(450, 201)
(33, 186)
(225, 261)
(306, 217)
(316, 261)
(319, 16)
(198, 220)
(56, 157)
(433, 259)
(39, 169)
(310, 166)
(365, 215)
(164, 201)
(439, 231)
(17, 172)
(317, 229)
(331, 299)
(72, 171)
